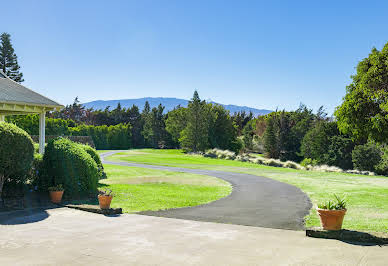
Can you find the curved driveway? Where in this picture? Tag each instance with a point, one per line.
(254, 201)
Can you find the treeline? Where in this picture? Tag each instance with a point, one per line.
(357, 137)
(198, 127)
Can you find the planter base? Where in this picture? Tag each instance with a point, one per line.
(95, 209)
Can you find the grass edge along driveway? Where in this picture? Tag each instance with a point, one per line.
(138, 189)
(367, 195)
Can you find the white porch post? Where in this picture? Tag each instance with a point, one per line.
(42, 126)
(2, 118)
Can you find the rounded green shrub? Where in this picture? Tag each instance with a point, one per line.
(67, 163)
(96, 157)
(16, 154)
(366, 157)
(93, 153)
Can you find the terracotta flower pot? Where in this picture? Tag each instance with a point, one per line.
(104, 201)
(56, 196)
(331, 219)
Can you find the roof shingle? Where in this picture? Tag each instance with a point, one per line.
(11, 91)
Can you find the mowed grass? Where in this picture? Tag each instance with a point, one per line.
(138, 189)
(367, 195)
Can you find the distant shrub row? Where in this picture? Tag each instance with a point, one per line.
(104, 137)
(306, 164)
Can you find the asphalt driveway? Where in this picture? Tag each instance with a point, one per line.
(254, 201)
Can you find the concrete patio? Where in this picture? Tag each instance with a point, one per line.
(69, 237)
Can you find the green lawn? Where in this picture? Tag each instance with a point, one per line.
(367, 195)
(138, 189)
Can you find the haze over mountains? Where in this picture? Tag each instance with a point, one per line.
(169, 104)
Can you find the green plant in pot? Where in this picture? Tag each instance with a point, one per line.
(105, 198)
(332, 213)
(56, 193)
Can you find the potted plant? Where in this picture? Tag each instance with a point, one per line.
(332, 212)
(56, 193)
(105, 198)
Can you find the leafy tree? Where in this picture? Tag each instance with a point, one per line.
(8, 59)
(195, 136)
(222, 131)
(315, 143)
(340, 152)
(364, 111)
(366, 157)
(176, 122)
(382, 167)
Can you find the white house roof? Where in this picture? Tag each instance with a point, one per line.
(12, 92)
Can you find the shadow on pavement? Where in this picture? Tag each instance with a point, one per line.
(351, 237)
(23, 216)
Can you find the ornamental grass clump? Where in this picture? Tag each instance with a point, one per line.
(274, 162)
(338, 203)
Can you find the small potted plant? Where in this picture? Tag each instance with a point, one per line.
(332, 212)
(105, 198)
(56, 193)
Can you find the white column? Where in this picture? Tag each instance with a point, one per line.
(42, 133)
(2, 118)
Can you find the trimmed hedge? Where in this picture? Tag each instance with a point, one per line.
(106, 137)
(67, 163)
(16, 155)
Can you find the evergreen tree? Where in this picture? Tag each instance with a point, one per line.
(8, 59)
(134, 117)
(147, 125)
(270, 139)
(195, 136)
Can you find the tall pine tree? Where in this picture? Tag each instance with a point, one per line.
(147, 131)
(8, 59)
(195, 136)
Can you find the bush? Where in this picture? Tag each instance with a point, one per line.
(366, 157)
(382, 167)
(16, 154)
(36, 168)
(96, 157)
(93, 153)
(67, 163)
(340, 152)
(308, 161)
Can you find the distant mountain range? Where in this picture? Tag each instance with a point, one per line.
(169, 104)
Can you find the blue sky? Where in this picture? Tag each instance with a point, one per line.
(263, 54)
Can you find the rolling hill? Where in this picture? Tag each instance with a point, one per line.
(169, 103)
